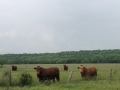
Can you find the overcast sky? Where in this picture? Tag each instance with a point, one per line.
(40, 26)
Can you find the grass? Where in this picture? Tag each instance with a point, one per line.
(102, 81)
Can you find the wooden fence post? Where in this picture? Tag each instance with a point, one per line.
(111, 74)
(69, 78)
(10, 78)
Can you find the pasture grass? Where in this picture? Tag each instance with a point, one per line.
(102, 82)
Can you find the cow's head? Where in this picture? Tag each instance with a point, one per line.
(38, 70)
(82, 68)
(64, 65)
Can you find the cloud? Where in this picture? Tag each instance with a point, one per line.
(5, 3)
(8, 34)
(58, 25)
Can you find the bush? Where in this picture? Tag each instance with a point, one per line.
(6, 78)
(1, 66)
(25, 79)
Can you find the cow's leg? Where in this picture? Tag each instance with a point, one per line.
(53, 79)
(39, 80)
(57, 77)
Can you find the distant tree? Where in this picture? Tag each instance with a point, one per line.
(82, 56)
(3, 61)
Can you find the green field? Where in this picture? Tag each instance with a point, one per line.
(102, 82)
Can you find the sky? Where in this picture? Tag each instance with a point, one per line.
(50, 26)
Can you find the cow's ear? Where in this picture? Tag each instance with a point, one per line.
(84, 67)
(41, 69)
(78, 67)
(35, 68)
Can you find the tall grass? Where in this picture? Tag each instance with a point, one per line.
(102, 81)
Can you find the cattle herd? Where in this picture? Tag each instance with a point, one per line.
(53, 73)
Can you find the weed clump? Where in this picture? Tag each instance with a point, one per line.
(25, 79)
(5, 80)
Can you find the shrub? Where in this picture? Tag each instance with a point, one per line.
(25, 79)
(6, 78)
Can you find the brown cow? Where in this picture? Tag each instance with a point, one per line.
(65, 67)
(14, 68)
(86, 73)
(47, 73)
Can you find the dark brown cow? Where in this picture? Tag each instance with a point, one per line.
(14, 68)
(86, 73)
(65, 67)
(47, 73)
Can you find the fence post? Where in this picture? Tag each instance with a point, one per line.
(10, 78)
(111, 74)
(69, 78)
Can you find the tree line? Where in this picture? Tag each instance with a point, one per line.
(65, 57)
